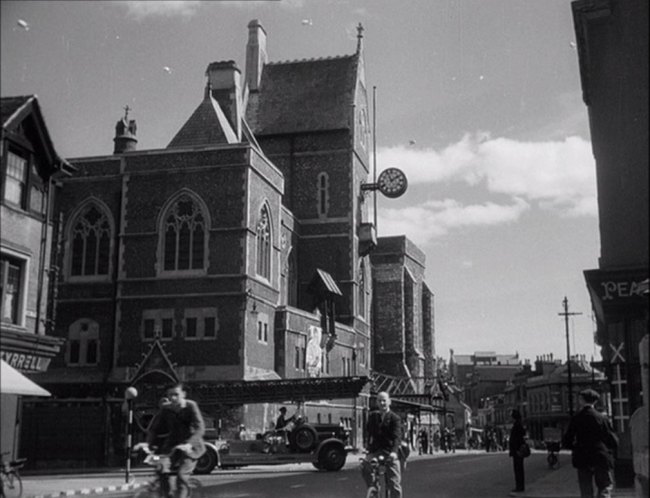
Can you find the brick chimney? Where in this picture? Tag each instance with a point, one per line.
(125, 140)
(224, 82)
(256, 56)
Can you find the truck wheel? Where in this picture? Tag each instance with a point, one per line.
(304, 438)
(206, 463)
(332, 457)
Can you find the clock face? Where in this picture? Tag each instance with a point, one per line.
(392, 182)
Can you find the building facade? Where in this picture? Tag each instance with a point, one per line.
(237, 253)
(612, 40)
(30, 164)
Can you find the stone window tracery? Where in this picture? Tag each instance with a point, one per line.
(91, 243)
(185, 237)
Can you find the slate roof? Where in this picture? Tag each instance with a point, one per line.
(304, 96)
(207, 125)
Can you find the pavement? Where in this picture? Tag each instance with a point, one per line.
(558, 483)
(563, 483)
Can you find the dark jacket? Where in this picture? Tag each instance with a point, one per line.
(517, 437)
(178, 427)
(591, 438)
(384, 431)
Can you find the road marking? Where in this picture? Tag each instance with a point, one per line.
(294, 486)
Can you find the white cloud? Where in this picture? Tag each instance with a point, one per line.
(557, 175)
(172, 8)
(432, 219)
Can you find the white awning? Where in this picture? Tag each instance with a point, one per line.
(13, 382)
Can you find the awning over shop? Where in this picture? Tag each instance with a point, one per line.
(277, 391)
(13, 382)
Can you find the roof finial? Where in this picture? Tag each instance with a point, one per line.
(359, 37)
(126, 112)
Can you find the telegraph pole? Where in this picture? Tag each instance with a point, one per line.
(566, 314)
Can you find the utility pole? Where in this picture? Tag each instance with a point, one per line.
(566, 315)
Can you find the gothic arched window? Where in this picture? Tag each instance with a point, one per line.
(184, 236)
(323, 194)
(264, 244)
(91, 243)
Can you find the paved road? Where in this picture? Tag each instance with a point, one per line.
(460, 476)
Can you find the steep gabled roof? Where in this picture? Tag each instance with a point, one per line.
(15, 110)
(207, 125)
(10, 106)
(304, 96)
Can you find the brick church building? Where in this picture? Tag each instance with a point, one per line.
(240, 252)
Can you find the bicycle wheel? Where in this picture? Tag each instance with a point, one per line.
(372, 492)
(147, 492)
(12, 485)
(196, 488)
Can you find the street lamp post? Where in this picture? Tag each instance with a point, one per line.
(129, 395)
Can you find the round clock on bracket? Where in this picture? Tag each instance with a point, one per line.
(392, 182)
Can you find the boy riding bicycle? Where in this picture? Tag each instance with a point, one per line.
(384, 429)
(178, 430)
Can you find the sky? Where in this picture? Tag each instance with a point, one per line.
(478, 102)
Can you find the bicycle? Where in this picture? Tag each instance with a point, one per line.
(378, 487)
(553, 448)
(162, 470)
(11, 485)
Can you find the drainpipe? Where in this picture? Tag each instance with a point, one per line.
(41, 258)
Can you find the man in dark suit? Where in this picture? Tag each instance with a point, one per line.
(384, 429)
(593, 442)
(516, 440)
(178, 428)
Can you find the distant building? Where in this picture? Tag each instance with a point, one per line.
(547, 393)
(612, 42)
(30, 165)
(483, 374)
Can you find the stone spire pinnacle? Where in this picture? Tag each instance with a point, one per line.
(359, 37)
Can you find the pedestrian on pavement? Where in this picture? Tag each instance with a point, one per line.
(180, 425)
(436, 441)
(424, 441)
(516, 440)
(384, 429)
(593, 443)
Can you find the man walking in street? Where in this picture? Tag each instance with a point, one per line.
(384, 429)
(179, 427)
(593, 442)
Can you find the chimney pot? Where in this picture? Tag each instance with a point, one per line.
(256, 56)
(224, 83)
